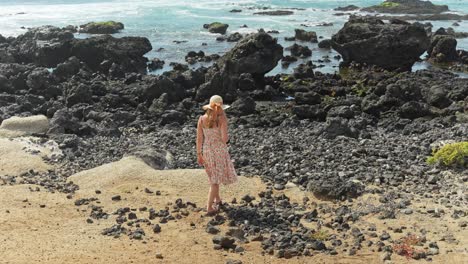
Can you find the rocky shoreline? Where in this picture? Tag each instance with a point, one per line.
(364, 131)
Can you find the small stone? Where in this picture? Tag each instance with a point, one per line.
(212, 230)
(89, 221)
(116, 198)
(386, 256)
(233, 261)
(278, 186)
(384, 236)
(217, 247)
(248, 198)
(97, 192)
(407, 211)
(257, 238)
(462, 224)
(132, 216)
(432, 251)
(157, 228)
(148, 191)
(159, 256)
(224, 242)
(239, 249)
(433, 179)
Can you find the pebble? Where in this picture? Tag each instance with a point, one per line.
(156, 228)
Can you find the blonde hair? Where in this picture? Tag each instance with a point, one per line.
(213, 114)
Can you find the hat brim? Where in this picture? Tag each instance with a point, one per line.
(224, 107)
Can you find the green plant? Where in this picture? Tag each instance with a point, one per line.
(389, 4)
(327, 99)
(450, 155)
(359, 88)
(286, 78)
(320, 235)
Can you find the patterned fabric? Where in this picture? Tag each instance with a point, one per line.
(217, 161)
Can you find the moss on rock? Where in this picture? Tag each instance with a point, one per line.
(454, 154)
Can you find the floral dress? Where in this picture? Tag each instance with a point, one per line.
(216, 158)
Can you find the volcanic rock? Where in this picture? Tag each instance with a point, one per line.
(389, 46)
(109, 27)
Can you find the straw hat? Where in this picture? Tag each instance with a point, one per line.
(215, 99)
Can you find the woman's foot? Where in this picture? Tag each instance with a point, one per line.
(211, 212)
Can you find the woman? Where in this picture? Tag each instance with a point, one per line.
(212, 152)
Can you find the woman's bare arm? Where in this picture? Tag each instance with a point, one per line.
(223, 125)
(199, 136)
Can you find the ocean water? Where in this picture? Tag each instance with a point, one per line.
(166, 21)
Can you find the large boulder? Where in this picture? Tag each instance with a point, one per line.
(299, 51)
(127, 52)
(26, 125)
(108, 27)
(49, 46)
(407, 7)
(244, 106)
(216, 27)
(392, 46)
(443, 49)
(256, 54)
(303, 35)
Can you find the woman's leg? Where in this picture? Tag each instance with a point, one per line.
(211, 197)
(217, 197)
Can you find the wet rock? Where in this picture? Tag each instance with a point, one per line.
(275, 13)
(325, 44)
(299, 51)
(407, 7)
(303, 35)
(380, 44)
(109, 27)
(234, 37)
(216, 27)
(156, 64)
(304, 70)
(347, 8)
(443, 49)
(255, 54)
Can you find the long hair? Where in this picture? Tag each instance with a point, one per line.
(213, 115)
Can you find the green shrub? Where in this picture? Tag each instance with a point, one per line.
(450, 155)
(320, 235)
(389, 4)
(360, 89)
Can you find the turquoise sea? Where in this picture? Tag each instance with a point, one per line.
(164, 21)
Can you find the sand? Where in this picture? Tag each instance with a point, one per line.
(44, 227)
